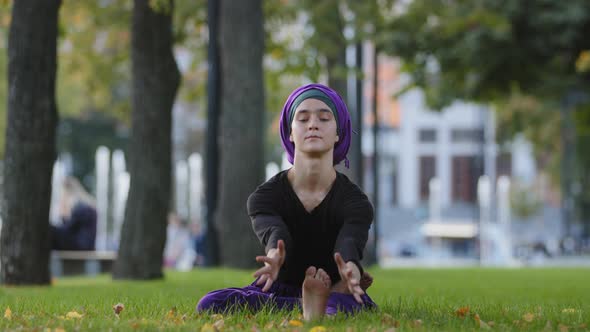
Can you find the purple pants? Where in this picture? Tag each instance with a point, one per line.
(280, 296)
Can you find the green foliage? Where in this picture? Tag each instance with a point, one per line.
(411, 299)
(94, 69)
(524, 202)
(161, 6)
(328, 25)
(526, 58)
(191, 36)
(479, 50)
(539, 121)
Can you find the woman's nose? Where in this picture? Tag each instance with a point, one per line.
(313, 122)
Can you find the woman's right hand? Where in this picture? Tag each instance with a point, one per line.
(273, 261)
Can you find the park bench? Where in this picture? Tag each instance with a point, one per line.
(71, 262)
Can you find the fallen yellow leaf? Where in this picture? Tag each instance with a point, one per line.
(73, 315)
(569, 311)
(318, 328)
(208, 328)
(295, 322)
(218, 325)
(528, 317)
(8, 313)
(117, 308)
(217, 317)
(462, 312)
(388, 320)
(417, 323)
(483, 325)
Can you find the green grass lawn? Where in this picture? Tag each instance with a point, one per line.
(420, 299)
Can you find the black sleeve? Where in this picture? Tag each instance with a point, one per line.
(267, 222)
(357, 213)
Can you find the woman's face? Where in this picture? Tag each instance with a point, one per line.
(314, 128)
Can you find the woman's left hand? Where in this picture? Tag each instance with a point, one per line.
(351, 276)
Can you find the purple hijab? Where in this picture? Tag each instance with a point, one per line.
(343, 117)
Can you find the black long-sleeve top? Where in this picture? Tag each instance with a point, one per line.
(340, 223)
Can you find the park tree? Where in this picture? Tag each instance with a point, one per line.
(521, 57)
(241, 127)
(30, 142)
(155, 80)
(328, 39)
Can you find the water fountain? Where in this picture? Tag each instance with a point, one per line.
(181, 188)
(102, 196)
(195, 164)
(119, 199)
(57, 178)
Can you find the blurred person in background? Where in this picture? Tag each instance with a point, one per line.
(178, 239)
(198, 243)
(77, 212)
(312, 220)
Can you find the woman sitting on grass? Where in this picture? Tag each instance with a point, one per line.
(312, 220)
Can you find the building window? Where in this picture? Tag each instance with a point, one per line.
(466, 173)
(427, 135)
(427, 172)
(467, 135)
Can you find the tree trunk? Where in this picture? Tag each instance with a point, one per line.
(30, 142)
(212, 153)
(242, 129)
(155, 82)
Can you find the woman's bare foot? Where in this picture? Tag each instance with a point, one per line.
(316, 290)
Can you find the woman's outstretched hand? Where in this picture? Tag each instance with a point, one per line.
(351, 276)
(273, 261)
